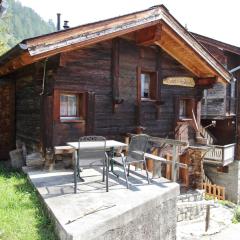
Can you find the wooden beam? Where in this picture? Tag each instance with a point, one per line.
(183, 53)
(149, 35)
(90, 128)
(115, 73)
(15, 63)
(206, 81)
(138, 102)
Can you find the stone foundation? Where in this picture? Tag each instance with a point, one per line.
(145, 211)
(190, 205)
(156, 223)
(229, 180)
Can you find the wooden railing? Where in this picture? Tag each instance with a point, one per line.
(220, 155)
(205, 133)
(214, 191)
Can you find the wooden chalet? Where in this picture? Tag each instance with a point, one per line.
(220, 106)
(219, 103)
(139, 72)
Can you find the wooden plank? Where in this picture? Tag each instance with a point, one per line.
(163, 160)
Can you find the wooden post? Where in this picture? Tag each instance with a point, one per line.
(90, 128)
(174, 169)
(115, 73)
(207, 218)
(168, 167)
(214, 191)
(127, 141)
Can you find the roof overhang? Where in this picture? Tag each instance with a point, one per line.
(165, 31)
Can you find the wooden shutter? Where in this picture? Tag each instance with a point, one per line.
(153, 88)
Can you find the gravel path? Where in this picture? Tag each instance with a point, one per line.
(221, 226)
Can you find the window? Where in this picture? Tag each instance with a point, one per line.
(186, 107)
(145, 83)
(71, 106)
(183, 108)
(148, 85)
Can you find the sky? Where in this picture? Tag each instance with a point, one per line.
(218, 19)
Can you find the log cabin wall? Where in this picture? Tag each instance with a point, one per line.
(7, 118)
(214, 100)
(219, 102)
(31, 108)
(27, 107)
(89, 70)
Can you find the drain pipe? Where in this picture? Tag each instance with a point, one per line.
(44, 76)
(236, 118)
(235, 69)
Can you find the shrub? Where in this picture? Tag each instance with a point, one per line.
(236, 217)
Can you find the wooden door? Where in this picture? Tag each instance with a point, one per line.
(7, 119)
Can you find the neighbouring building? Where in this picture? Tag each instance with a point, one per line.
(220, 114)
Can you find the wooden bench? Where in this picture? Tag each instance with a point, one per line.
(62, 150)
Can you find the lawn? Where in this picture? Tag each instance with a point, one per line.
(22, 216)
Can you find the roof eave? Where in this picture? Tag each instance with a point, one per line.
(77, 37)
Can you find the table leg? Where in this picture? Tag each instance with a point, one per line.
(111, 162)
(107, 173)
(75, 170)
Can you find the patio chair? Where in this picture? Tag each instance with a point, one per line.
(92, 157)
(135, 154)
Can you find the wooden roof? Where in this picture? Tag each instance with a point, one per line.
(152, 26)
(213, 42)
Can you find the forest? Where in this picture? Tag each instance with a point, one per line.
(19, 23)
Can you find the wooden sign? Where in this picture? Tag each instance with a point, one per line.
(179, 81)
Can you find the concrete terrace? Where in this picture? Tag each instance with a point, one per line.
(142, 212)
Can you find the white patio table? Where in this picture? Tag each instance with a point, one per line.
(111, 146)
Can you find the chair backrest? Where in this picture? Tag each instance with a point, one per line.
(91, 151)
(137, 147)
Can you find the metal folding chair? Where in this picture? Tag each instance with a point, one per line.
(136, 151)
(92, 157)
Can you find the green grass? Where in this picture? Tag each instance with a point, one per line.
(22, 216)
(236, 217)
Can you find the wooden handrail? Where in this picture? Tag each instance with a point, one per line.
(168, 141)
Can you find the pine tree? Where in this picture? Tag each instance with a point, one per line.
(20, 23)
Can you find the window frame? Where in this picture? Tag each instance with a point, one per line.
(81, 108)
(153, 85)
(77, 115)
(190, 104)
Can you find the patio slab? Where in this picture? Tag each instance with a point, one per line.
(141, 212)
